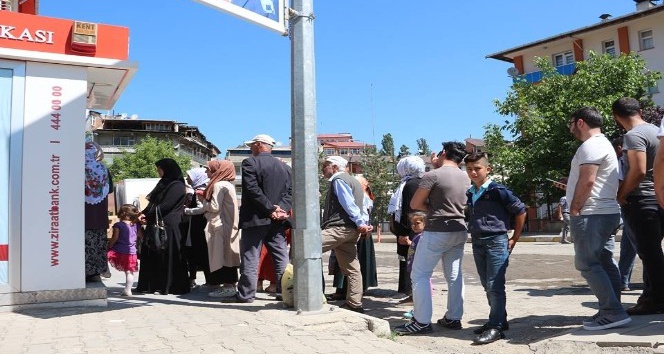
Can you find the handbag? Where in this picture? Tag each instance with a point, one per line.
(159, 238)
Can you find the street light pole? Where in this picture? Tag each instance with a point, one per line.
(306, 241)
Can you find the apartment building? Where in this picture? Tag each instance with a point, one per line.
(118, 134)
(641, 31)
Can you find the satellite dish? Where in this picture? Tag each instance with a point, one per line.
(513, 72)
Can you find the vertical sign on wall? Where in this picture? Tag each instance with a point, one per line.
(53, 178)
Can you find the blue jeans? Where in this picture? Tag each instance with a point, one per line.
(491, 259)
(433, 247)
(627, 254)
(594, 243)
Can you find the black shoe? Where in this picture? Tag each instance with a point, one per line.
(645, 306)
(345, 306)
(485, 326)
(335, 297)
(413, 327)
(451, 324)
(278, 297)
(236, 299)
(489, 336)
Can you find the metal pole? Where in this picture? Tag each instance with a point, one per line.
(306, 243)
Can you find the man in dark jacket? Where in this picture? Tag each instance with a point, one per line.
(266, 204)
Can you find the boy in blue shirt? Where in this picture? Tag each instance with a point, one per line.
(492, 206)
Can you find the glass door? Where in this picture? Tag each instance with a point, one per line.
(12, 95)
(6, 76)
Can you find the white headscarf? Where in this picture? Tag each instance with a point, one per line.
(96, 175)
(198, 177)
(408, 167)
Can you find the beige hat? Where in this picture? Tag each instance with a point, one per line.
(263, 138)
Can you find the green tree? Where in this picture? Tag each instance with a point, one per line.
(540, 145)
(404, 151)
(140, 163)
(378, 170)
(423, 147)
(388, 146)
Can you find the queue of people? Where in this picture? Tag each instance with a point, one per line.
(432, 214)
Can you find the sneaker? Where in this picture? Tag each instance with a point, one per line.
(126, 293)
(223, 292)
(591, 320)
(451, 324)
(603, 322)
(413, 327)
(408, 315)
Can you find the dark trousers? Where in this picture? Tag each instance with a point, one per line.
(251, 244)
(645, 219)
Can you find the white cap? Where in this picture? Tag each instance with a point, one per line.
(263, 138)
(337, 161)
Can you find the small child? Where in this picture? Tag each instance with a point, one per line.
(122, 245)
(492, 206)
(417, 223)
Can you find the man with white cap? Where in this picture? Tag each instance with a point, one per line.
(266, 204)
(342, 224)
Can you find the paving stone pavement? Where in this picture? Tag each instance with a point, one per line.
(547, 299)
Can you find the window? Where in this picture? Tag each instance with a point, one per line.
(157, 127)
(355, 151)
(646, 40)
(561, 59)
(123, 140)
(329, 152)
(609, 47)
(343, 151)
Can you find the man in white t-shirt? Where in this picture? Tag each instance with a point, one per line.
(595, 215)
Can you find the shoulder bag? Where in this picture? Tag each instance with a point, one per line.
(159, 238)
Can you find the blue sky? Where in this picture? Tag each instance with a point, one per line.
(426, 65)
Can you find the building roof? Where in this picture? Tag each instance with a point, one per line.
(345, 144)
(338, 135)
(502, 55)
(475, 142)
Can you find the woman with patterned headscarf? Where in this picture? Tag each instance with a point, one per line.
(222, 232)
(98, 185)
(411, 169)
(164, 271)
(193, 227)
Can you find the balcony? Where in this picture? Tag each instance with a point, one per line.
(536, 76)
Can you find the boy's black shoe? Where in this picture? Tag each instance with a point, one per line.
(489, 336)
(485, 326)
(451, 324)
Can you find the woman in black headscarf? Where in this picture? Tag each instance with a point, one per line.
(164, 271)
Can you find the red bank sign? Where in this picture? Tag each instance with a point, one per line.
(26, 34)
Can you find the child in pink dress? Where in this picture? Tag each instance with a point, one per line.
(122, 246)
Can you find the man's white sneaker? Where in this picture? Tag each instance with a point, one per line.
(603, 322)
